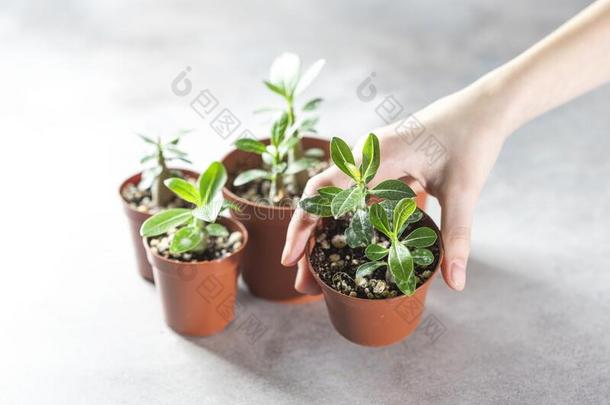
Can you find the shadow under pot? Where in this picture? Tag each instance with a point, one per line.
(198, 298)
(376, 321)
(136, 217)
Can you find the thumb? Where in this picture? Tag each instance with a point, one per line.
(456, 219)
(302, 224)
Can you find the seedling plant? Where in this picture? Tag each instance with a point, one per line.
(160, 155)
(284, 156)
(193, 226)
(390, 216)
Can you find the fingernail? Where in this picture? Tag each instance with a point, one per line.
(458, 275)
(285, 255)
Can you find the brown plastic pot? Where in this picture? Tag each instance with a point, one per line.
(198, 299)
(377, 322)
(136, 218)
(262, 271)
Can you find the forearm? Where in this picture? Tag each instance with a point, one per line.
(569, 62)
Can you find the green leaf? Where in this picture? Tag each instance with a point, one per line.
(176, 151)
(272, 150)
(287, 144)
(400, 263)
(309, 76)
(266, 110)
(147, 158)
(285, 71)
(147, 139)
(341, 155)
(250, 145)
(366, 269)
(267, 158)
(402, 212)
(314, 153)
(312, 104)
(388, 206)
(276, 89)
(186, 239)
(329, 191)
(176, 139)
(379, 219)
(293, 129)
(148, 177)
(351, 238)
(309, 124)
(392, 190)
(376, 252)
(231, 205)
(299, 165)
(355, 173)
(212, 181)
(416, 216)
(183, 189)
(422, 257)
(249, 175)
(318, 205)
(346, 201)
(421, 237)
(370, 158)
(217, 230)
(164, 221)
(362, 228)
(279, 129)
(279, 168)
(209, 212)
(169, 159)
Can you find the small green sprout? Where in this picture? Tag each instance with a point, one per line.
(285, 79)
(285, 156)
(155, 176)
(390, 217)
(400, 258)
(274, 158)
(195, 225)
(336, 202)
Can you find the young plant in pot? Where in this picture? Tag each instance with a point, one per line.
(374, 252)
(268, 176)
(195, 255)
(144, 193)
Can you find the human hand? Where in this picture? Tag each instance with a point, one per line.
(471, 125)
(471, 128)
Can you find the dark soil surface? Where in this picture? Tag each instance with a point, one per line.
(336, 263)
(141, 200)
(218, 247)
(258, 190)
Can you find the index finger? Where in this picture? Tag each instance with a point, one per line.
(302, 223)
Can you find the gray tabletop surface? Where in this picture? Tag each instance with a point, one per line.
(78, 79)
